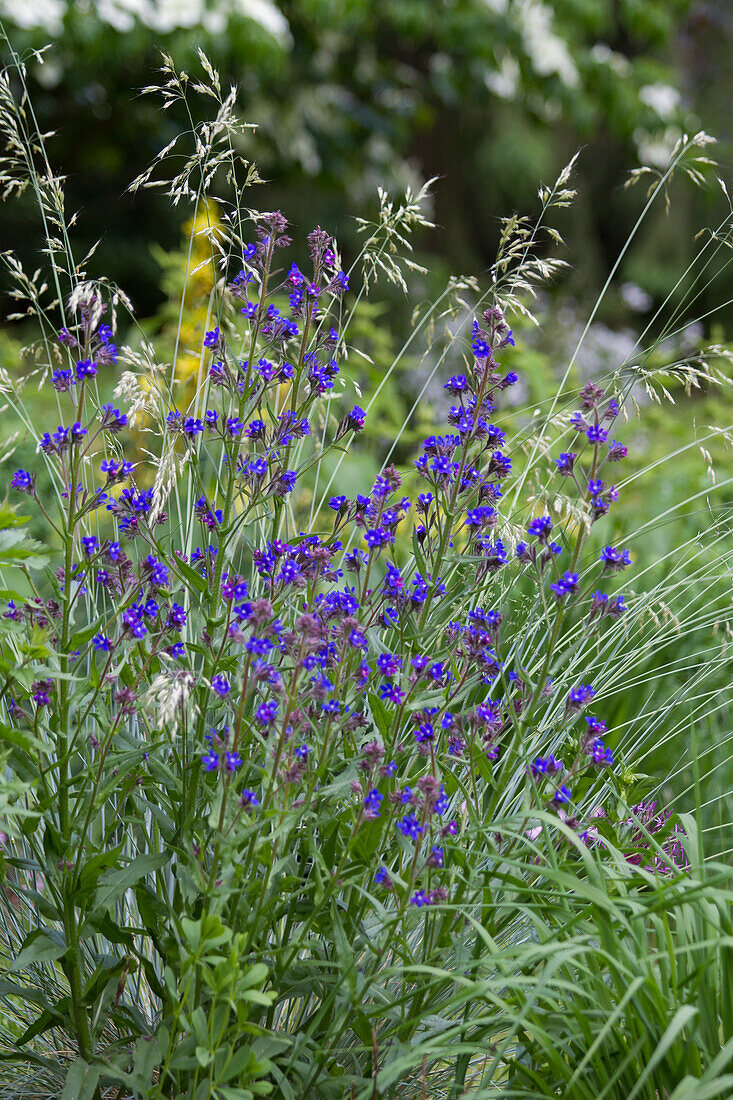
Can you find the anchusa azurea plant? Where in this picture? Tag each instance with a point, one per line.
(276, 747)
(320, 707)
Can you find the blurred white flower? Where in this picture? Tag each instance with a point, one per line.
(656, 149)
(267, 15)
(636, 297)
(162, 16)
(662, 98)
(548, 53)
(505, 80)
(48, 14)
(604, 55)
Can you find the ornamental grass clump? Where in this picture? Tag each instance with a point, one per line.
(291, 773)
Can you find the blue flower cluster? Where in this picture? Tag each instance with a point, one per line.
(331, 657)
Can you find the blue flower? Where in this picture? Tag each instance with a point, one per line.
(410, 826)
(220, 685)
(436, 856)
(290, 573)
(540, 528)
(565, 585)
(356, 419)
(62, 439)
(62, 380)
(420, 898)
(132, 623)
(371, 804)
(116, 471)
(377, 537)
(112, 419)
(85, 368)
(176, 617)
(500, 466)
(483, 516)
(285, 482)
(42, 692)
(600, 754)
(389, 663)
(23, 482)
(256, 430)
(615, 561)
(441, 804)
(159, 575)
(192, 427)
(544, 765)
(257, 468)
(67, 338)
(210, 760)
(579, 697)
(266, 713)
(390, 693)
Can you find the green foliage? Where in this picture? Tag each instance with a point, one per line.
(348, 93)
(636, 1002)
(17, 550)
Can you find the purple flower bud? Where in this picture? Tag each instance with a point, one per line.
(616, 451)
(579, 697)
(566, 462)
(356, 419)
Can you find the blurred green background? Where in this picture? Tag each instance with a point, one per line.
(490, 96)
